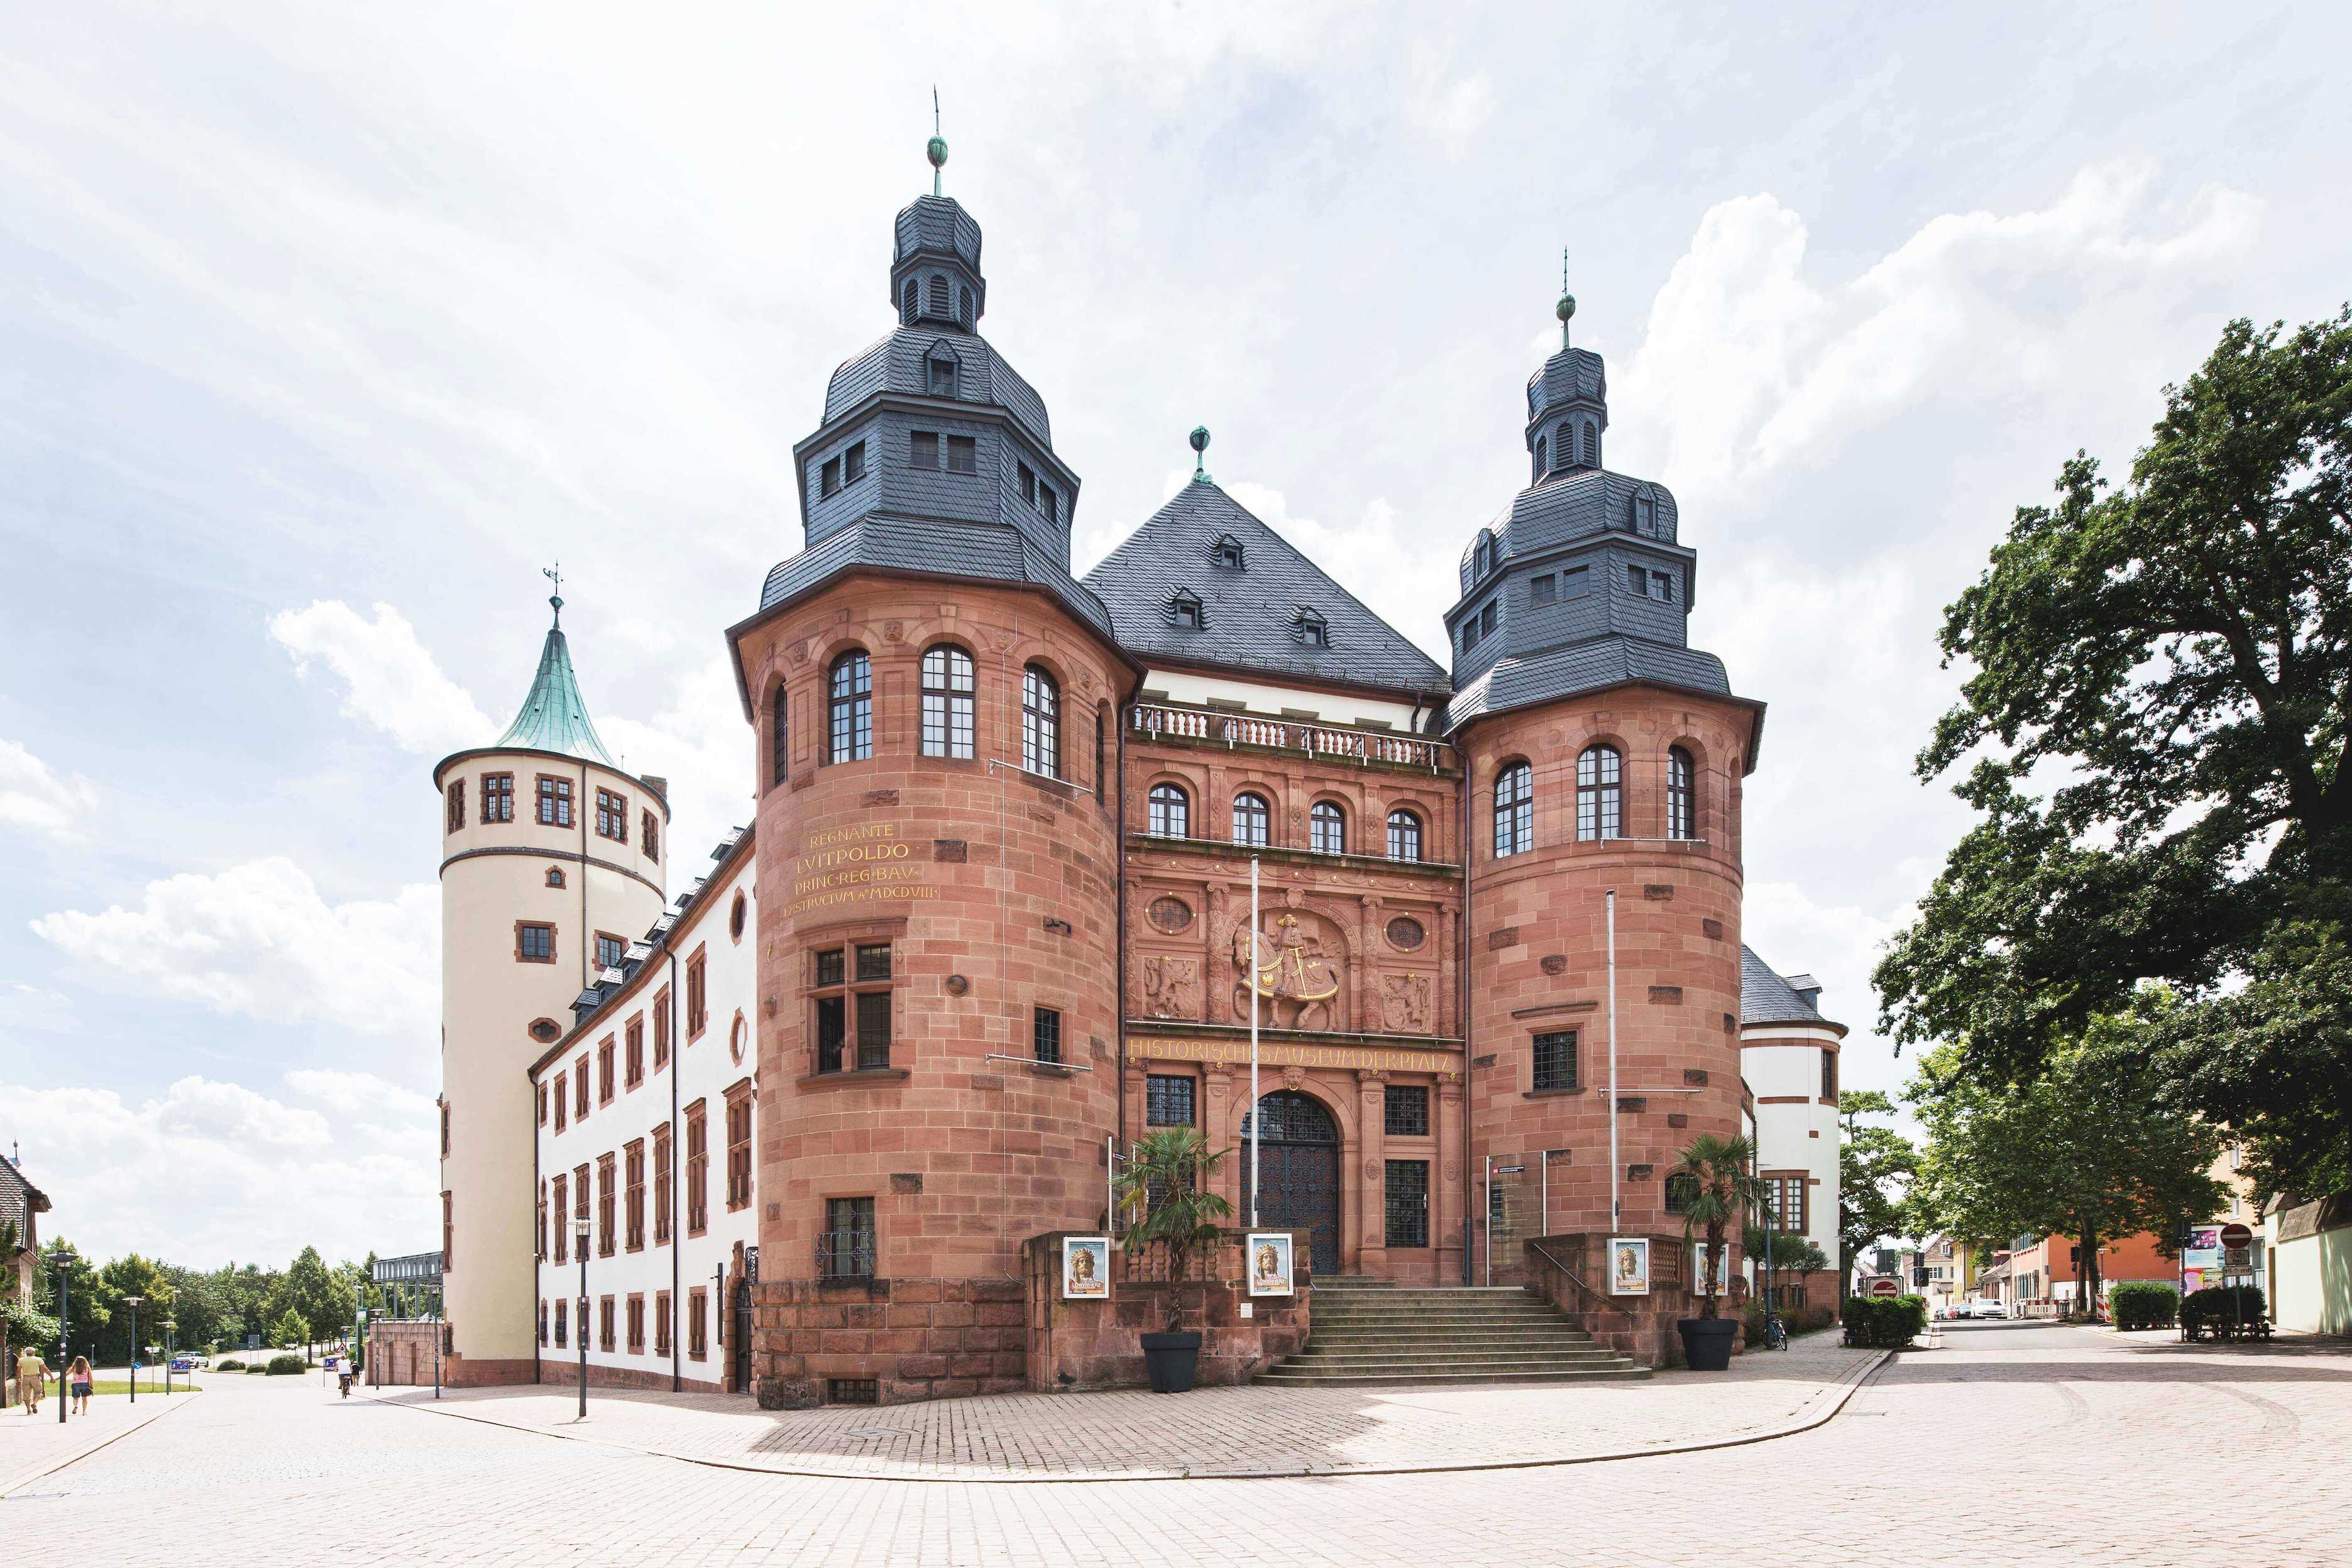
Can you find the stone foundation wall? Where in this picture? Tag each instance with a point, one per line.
(1641, 1327)
(917, 1339)
(1080, 1344)
(554, 1371)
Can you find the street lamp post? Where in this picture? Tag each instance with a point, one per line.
(61, 1260)
(132, 1302)
(580, 1243)
(171, 1344)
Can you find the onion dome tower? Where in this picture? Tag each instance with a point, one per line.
(551, 863)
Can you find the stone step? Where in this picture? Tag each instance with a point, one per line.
(1430, 1320)
(1564, 1340)
(1455, 1361)
(1508, 1372)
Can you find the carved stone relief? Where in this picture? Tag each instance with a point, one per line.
(1171, 987)
(1404, 1004)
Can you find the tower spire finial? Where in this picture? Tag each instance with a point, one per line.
(937, 152)
(1199, 439)
(554, 574)
(1567, 306)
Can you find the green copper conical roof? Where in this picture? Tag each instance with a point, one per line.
(553, 718)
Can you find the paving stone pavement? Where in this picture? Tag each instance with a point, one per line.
(1264, 1430)
(32, 1445)
(2090, 1450)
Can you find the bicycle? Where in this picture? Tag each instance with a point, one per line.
(1776, 1333)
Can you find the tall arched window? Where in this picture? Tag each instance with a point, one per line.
(1253, 818)
(907, 303)
(1326, 829)
(850, 694)
(1040, 723)
(1540, 448)
(963, 303)
(1172, 811)
(779, 738)
(1600, 794)
(1514, 811)
(1404, 835)
(947, 701)
(1591, 444)
(939, 299)
(1682, 795)
(1567, 435)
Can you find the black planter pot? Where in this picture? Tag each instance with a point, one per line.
(1171, 1360)
(1707, 1342)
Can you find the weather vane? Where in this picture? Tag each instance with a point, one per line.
(554, 574)
(938, 149)
(1567, 307)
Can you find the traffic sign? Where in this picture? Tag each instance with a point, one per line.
(1884, 1288)
(2236, 1235)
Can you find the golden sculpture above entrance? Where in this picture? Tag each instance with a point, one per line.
(1298, 981)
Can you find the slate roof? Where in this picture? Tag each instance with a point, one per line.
(995, 551)
(1517, 682)
(599, 992)
(1249, 616)
(895, 363)
(1766, 998)
(553, 718)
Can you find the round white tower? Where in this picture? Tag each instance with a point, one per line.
(551, 863)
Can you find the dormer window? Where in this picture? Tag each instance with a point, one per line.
(828, 481)
(1311, 629)
(1028, 484)
(1645, 512)
(941, 374)
(1048, 503)
(1185, 611)
(1226, 552)
(1483, 561)
(852, 463)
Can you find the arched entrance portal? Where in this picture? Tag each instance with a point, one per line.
(1298, 1150)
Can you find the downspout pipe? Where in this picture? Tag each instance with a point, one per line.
(1119, 907)
(676, 1188)
(1467, 1016)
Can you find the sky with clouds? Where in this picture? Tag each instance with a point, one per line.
(323, 328)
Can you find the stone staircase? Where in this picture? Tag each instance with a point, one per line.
(1368, 1331)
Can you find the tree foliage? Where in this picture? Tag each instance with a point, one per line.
(1723, 1190)
(1876, 1167)
(312, 1294)
(1164, 1194)
(2177, 653)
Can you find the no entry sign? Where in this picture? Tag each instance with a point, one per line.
(2236, 1235)
(1884, 1288)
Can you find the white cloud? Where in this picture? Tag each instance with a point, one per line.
(30, 1007)
(1373, 558)
(1451, 109)
(34, 796)
(390, 683)
(259, 940)
(1755, 364)
(701, 744)
(208, 1171)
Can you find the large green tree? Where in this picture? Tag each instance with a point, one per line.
(1876, 1167)
(311, 1293)
(2084, 1150)
(126, 1276)
(2172, 662)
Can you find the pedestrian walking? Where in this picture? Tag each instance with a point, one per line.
(78, 1376)
(32, 1375)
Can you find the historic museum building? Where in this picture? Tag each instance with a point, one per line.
(991, 920)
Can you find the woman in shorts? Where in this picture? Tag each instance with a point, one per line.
(78, 1376)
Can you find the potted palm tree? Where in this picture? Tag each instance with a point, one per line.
(1719, 1184)
(1164, 1194)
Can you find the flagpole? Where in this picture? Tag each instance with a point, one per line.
(1615, 1169)
(1257, 1122)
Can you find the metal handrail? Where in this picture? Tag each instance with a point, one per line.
(1343, 742)
(1572, 1278)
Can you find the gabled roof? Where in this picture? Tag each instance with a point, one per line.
(553, 718)
(1251, 615)
(1766, 998)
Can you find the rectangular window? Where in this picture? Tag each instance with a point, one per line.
(1786, 1189)
(534, 942)
(542, 1320)
(846, 1250)
(738, 1149)
(555, 801)
(1556, 1059)
(605, 1070)
(1542, 589)
(636, 1325)
(633, 1064)
(1047, 501)
(828, 482)
(874, 961)
(859, 997)
(698, 1171)
(448, 1232)
(661, 1030)
(563, 1323)
(633, 1208)
(831, 1031)
(612, 816)
(607, 1206)
(963, 454)
(1637, 581)
(456, 805)
(1662, 586)
(873, 1031)
(1168, 1101)
(562, 1211)
(611, 950)
(1828, 1075)
(697, 999)
(562, 1102)
(541, 1250)
(661, 1323)
(542, 1104)
(1576, 583)
(1406, 1110)
(579, 1197)
(1405, 1203)
(498, 796)
(697, 1330)
(1046, 1035)
(853, 464)
(1489, 617)
(604, 1325)
(580, 1095)
(923, 449)
(663, 1195)
(444, 1128)
(1028, 484)
(652, 825)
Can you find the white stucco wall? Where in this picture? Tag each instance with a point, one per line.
(1796, 1127)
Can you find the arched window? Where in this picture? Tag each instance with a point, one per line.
(1040, 723)
(1566, 443)
(1600, 794)
(1540, 464)
(907, 303)
(1404, 835)
(963, 303)
(780, 739)
(938, 297)
(1326, 829)
(555, 876)
(1591, 444)
(850, 688)
(1682, 795)
(947, 701)
(1252, 818)
(1514, 811)
(1172, 811)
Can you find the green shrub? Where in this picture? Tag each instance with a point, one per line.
(1887, 1323)
(285, 1366)
(255, 1370)
(2144, 1304)
(1796, 1320)
(2211, 1305)
(231, 1364)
